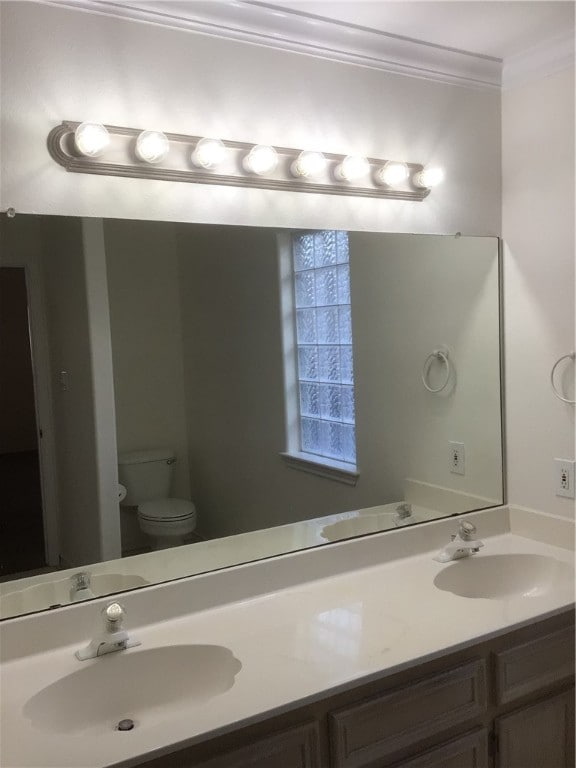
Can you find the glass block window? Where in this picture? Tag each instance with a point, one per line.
(321, 267)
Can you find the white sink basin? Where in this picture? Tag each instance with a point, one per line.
(57, 592)
(146, 686)
(498, 577)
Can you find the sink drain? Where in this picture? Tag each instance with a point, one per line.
(125, 725)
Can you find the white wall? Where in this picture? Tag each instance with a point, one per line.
(63, 64)
(538, 229)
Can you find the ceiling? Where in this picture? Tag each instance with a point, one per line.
(499, 28)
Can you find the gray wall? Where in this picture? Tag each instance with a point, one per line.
(233, 364)
(410, 295)
(74, 417)
(144, 299)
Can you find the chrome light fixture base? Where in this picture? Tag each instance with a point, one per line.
(120, 160)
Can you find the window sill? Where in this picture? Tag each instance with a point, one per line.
(329, 468)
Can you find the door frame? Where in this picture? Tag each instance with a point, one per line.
(41, 371)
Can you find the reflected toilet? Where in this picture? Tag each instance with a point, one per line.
(147, 477)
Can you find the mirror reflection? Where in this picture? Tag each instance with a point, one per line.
(186, 397)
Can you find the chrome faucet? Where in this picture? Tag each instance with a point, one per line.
(80, 587)
(461, 544)
(112, 638)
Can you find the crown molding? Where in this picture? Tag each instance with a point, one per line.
(545, 59)
(302, 33)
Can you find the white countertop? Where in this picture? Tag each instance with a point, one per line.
(295, 645)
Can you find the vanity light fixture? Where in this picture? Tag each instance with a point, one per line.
(91, 139)
(261, 160)
(392, 174)
(428, 178)
(352, 168)
(208, 153)
(152, 146)
(81, 148)
(308, 165)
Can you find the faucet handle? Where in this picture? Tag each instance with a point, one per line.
(466, 530)
(404, 510)
(113, 615)
(80, 580)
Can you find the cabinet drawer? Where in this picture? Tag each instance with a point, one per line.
(467, 751)
(379, 727)
(533, 665)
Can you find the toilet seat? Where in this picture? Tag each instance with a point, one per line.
(167, 510)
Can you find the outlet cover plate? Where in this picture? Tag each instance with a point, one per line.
(457, 458)
(564, 477)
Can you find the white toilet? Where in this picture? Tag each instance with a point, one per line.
(147, 477)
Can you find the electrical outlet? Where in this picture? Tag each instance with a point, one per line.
(564, 478)
(457, 458)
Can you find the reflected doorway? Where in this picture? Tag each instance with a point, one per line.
(22, 544)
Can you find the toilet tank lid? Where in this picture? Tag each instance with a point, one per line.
(144, 457)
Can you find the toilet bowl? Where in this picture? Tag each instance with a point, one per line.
(167, 521)
(146, 476)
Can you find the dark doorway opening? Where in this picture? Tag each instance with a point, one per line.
(21, 517)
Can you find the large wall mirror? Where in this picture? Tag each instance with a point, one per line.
(177, 398)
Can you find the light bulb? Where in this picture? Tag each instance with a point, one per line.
(352, 168)
(308, 164)
(208, 153)
(261, 160)
(152, 146)
(428, 178)
(91, 139)
(392, 174)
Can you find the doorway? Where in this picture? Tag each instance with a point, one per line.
(22, 543)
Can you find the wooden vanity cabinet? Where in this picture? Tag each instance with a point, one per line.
(539, 735)
(503, 703)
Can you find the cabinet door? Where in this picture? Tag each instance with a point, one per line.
(538, 736)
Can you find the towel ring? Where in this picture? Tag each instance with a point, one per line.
(442, 356)
(571, 356)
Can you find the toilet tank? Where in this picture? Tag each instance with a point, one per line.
(147, 475)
